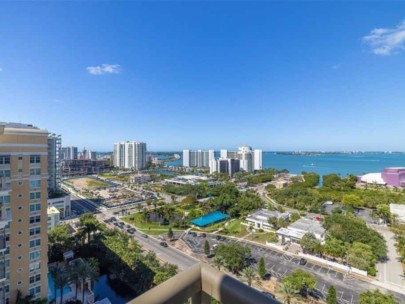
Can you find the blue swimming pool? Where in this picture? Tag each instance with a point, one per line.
(51, 286)
(210, 218)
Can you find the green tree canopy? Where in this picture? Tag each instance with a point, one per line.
(331, 296)
(234, 255)
(300, 280)
(376, 297)
(262, 268)
(361, 256)
(310, 242)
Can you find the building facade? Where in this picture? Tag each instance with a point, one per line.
(54, 162)
(197, 158)
(23, 216)
(130, 155)
(80, 167)
(69, 152)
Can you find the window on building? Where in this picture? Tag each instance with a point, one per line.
(35, 290)
(4, 173)
(35, 255)
(35, 171)
(35, 195)
(35, 159)
(35, 219)
(35, 278)
(4, 199)
(35, 184)
(35, 230)
(35, 266)
(5, 160)
(35, 243)
(35, 207)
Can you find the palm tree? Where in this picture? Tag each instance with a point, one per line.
(54, 272)
(60, 278)
(74, 273)
(80, 270)
(289, 291)
(249, 274)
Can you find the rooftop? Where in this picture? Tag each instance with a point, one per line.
(264, 214)
(17, 125)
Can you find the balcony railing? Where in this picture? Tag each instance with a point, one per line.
(201, 283)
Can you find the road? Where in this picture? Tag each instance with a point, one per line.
(169, 254)
(390, 271)
(280, 265)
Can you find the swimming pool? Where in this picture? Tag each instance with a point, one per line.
(210, 218)
(51, 286)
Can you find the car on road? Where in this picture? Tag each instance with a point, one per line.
(130, 230)
(163, 244)
(303, 261)
(145, 236)
(113, 219)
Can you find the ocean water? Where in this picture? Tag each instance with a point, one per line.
(323, 164)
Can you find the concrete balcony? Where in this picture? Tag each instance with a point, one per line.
(3, 245)
(201, 283)
(5, 218)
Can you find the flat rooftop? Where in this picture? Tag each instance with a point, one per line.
(264, 215)
(17, 125)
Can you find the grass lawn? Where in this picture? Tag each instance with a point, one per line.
(152, 228)
(261, 237)
(234, 227)
(94, 184)
(124, 178)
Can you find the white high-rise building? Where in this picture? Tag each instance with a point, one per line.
(258, 159)
(69, 152)
(224, 153)
(197, 158)
(245, 156)
(186, 158)
(130, 155)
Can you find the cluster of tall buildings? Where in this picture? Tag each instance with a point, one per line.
(70, 153)
(130, 155)
(244, 159)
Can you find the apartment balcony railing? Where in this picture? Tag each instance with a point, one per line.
(3, 245)
(201, 283)
(2, 271)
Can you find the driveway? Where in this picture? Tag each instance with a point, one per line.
(390, 271)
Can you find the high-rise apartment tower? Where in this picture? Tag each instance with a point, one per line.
(23, 211)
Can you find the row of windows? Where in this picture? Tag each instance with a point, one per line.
(35, 230)
(4, 160)
(35, 207)
(35, 219)
(34, 159)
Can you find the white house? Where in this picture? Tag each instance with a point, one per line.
(62, 203)
(53, 217)
(298, 229)
(260, 218)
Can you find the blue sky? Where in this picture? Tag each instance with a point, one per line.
(275, 75)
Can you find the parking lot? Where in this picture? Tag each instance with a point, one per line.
(280, 265)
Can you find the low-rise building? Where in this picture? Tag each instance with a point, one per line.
(190, 180)
(299, 228)
(61, 201)
(393, 176)
(260, 218)
(53, 217)
(398, 211)
(139, 178)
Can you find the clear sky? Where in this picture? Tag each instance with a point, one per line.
(275, 75)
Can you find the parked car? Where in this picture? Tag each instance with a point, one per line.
(219, 238)
(193, 234)
(164, 244)
(145, 236)
(113, 219)
(303, 261)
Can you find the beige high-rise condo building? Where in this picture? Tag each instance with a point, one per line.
(23, 211)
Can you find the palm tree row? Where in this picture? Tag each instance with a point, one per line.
(76, 272)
